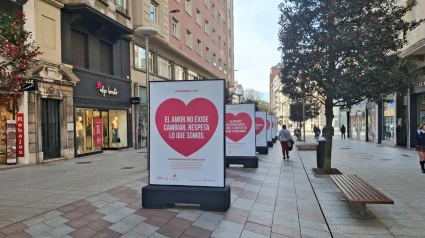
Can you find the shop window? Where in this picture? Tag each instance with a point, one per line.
(5, 115)
(142, 94)
(164, 68)
(106, 58)
(85, 134)
(179, 73)
(140, 59)
(117, 128)
(79, 49)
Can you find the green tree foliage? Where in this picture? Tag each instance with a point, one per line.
(343, 52)
(250, 101)
(228, 96)
(312, 110)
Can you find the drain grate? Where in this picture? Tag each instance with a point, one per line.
(84, 162)
(127, 168)
(405, 155)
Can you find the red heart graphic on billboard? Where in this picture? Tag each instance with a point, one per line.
(259, 125)
(186, 128)
(272, 124)
(237, 127)
(268, 124)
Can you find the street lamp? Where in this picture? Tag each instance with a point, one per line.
(147, 32)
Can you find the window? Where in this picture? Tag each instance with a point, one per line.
(199, 47)
(122, 6)
(164, 68)
(225, 68)
(176, 28)
(192, 75)
(154, 12)
(106, 58)
(179, 73)
(219, 64)
(140, 59)
(219, 41)
(213, 35)
(207, 3)
(214, 59)
(207, 27)
(198, 16)
(152, 65)
(79, 49)
(219, 19)
(213, 10)
(188, 6)
(207, 54)
(188, 38)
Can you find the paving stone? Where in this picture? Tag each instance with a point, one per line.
(287, 231)
(57, 221)
(114, 217)
(211, 216)
(158, 235)
(171, 231)
(198, 232)
(145, 229)
(249, 234)
(78, 223)
(122, 227)
(92, 216)
(231, 226)
(99, 225)
(188, 215)
(156, 221)
(257, 228)
(21, 234)
(72, 215)
(44, 235)
(34, 221)
(206, 224)
(83, 232)
(165, 214)
(223, 233)
(133, 234)
(60, 230)
(14, 228)
(134, 219)
(37, 229)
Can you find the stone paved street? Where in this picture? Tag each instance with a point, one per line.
(102, 199)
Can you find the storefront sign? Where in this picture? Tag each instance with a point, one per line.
(269, 128)
(260, 129)
(97, 124)
(240, 130)
(20, 140)
(107, 90)
(30, 85)
(135, 100)
(187, 133)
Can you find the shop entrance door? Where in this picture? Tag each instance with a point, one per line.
(105, 123)
(50, 128)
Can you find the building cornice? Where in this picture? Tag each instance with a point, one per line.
(55, 3)
(413, 48)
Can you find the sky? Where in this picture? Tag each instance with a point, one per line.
(256, 42)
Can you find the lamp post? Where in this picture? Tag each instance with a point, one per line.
(147, 32)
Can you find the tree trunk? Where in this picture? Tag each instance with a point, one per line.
(328, 149)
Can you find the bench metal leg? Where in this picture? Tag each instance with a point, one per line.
(363, 213)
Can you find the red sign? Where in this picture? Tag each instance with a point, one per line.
(259, 125)
(237, 127)
(186, 128)
(20, 141)
(97, 125)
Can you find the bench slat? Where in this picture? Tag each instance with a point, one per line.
(359, 191)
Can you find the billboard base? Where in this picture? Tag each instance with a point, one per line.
(246, 161)
(262, 150)
(274, 140)
(269, 143)
(164, 196)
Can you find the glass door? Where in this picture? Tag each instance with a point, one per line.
(105, 133)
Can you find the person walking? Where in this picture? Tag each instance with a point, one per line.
(420, 146)
(285, 138)
(342, 132)
(324, 132)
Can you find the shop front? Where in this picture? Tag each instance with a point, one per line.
(357, 128)
(102, 114)
(371, 122)
(388, 124)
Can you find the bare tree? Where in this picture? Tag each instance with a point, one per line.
(252, 95)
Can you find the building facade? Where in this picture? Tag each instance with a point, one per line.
(274, 71)
(194, 42)
(280, 102)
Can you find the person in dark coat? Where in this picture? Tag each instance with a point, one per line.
(342, 132)
(420, 146)
(324, 132)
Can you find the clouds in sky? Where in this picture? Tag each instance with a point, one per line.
(256, 41)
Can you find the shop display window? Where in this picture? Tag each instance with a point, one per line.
(85, 130)
(4, 116)
(117, 128)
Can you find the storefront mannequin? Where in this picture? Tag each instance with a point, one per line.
(80, 134)
(115, 130)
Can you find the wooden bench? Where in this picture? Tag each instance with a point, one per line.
(360, 192)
